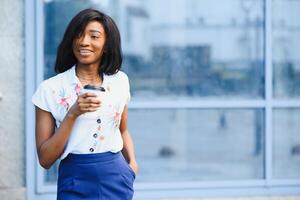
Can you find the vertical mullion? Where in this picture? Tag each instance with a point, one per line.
(29, 89)
(40, 40)
(39, 32)
(268, 92)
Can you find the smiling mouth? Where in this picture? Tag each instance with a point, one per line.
(85, 52)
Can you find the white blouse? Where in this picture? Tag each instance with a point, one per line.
(93, 132)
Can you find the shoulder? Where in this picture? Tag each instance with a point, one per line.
(120, 76)
(54, 81)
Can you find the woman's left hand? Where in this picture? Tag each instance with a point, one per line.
(134, 166)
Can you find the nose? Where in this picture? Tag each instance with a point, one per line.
(84, 40)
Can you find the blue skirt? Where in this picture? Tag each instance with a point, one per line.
(99, 176)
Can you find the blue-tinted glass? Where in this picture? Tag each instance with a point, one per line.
(196, 49)
(184, 49)
(177, 48)
(198, 144)
(286, 143)
(51, 174)
(286, 48)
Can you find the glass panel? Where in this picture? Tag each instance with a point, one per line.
(286, 141)
(186, 52)
(286, 48)
(196, 144)
(196, 49)
(207, 48)
(51, 174)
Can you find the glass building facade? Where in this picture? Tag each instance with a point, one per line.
(215, 87)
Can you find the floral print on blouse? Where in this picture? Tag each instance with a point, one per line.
(99, 132)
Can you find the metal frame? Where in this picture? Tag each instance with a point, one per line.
(268, 91)
(36, 187)
(40, 187)
(29, 89)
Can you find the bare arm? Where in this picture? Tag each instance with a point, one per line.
(128, 150)
(50, 143)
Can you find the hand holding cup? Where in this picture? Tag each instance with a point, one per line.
(89, 100)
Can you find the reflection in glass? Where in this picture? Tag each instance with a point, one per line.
(286, 48)
(190, 52)
(286, 143)
(186, 52)
(207, 48)
(52, 174)
(196, 144)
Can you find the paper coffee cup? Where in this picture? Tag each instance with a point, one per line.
(101, 95)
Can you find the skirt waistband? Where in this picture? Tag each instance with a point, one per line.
(91, 157)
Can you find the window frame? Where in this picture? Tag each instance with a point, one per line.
(38, 189)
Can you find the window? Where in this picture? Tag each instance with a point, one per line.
(286, 65)
(286, 48)
(177, 145)
(286, 143)
(214, 89)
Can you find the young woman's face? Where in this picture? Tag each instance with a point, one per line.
(89, 47)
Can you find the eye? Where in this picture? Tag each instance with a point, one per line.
(94, 37)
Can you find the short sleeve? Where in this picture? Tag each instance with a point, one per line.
(41, 98)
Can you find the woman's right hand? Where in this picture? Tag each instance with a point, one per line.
(87, 102)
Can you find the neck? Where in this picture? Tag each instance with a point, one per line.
(88, 74)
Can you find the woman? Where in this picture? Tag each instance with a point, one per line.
(92, 164)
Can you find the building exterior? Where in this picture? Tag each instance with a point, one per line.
(215, 90)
